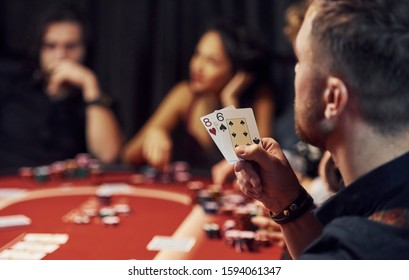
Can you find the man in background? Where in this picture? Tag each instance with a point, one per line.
(59, 110)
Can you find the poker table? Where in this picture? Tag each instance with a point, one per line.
(157, 209)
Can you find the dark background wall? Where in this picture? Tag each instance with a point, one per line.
(143, 46)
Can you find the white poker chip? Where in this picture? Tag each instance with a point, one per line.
(111, 220)
(81, 220)
(122, 208)
(233, 198)
(90, 212)
(107, 211)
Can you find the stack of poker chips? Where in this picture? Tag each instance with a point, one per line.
(178, 172)
(109, 212)
(150, 174)
(242, 215)
(212, 231)
(108, 216)
(83, 162)
(57, 170)
(104, 196)
(95, 170)
(70, 168)
(80, 167)
(210, 207)
(26, 172)
(262, 238)
(194, 188)
(41, 173)
(238, 231)
(241, 240)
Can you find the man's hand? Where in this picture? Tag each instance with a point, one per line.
(68, 72)
(266, 175)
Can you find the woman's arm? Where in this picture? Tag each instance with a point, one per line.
(155, 134)
(264, 109)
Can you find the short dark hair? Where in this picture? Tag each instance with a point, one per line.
(59, 13)
(367, 44)
(246, 49)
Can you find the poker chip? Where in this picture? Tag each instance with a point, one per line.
(83, 160)
(95, 170)
(212, 231)
(180, 172)
(242, 216)
(90, 212)
(25, 172)
(227, 209)
(104, 196)
(210, 207)
(180, 166)
(182, 177)
(106, 212)
(233, 198)
(194, 187)
(246, 241)
(41, 173)
(70, 168)
(136, 179)
(81, 219)
(261, 237)
(229, 225)
(58, 169)
(122, 208)
(111, 220)
(215, 191)
(231, 236)
(203, 196)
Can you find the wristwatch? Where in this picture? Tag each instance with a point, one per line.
(103, 100)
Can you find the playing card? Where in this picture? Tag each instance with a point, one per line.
(166, 242)
(14, 220)
(20, 255)
(209, 121)
(50, 238)
(237, 127)
(35, 247)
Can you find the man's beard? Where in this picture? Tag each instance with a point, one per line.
(310, 124)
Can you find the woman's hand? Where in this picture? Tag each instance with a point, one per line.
(234, 88)
(157, 148)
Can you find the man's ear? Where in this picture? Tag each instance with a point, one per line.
(335, 97)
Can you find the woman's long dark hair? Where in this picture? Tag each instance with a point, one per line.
(247, 52)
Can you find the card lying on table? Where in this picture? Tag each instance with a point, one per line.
(14, 220)
(170, 243)
(230, 128)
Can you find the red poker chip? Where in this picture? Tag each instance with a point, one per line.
(25, 171)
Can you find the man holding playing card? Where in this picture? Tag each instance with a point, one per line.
(351, 99)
